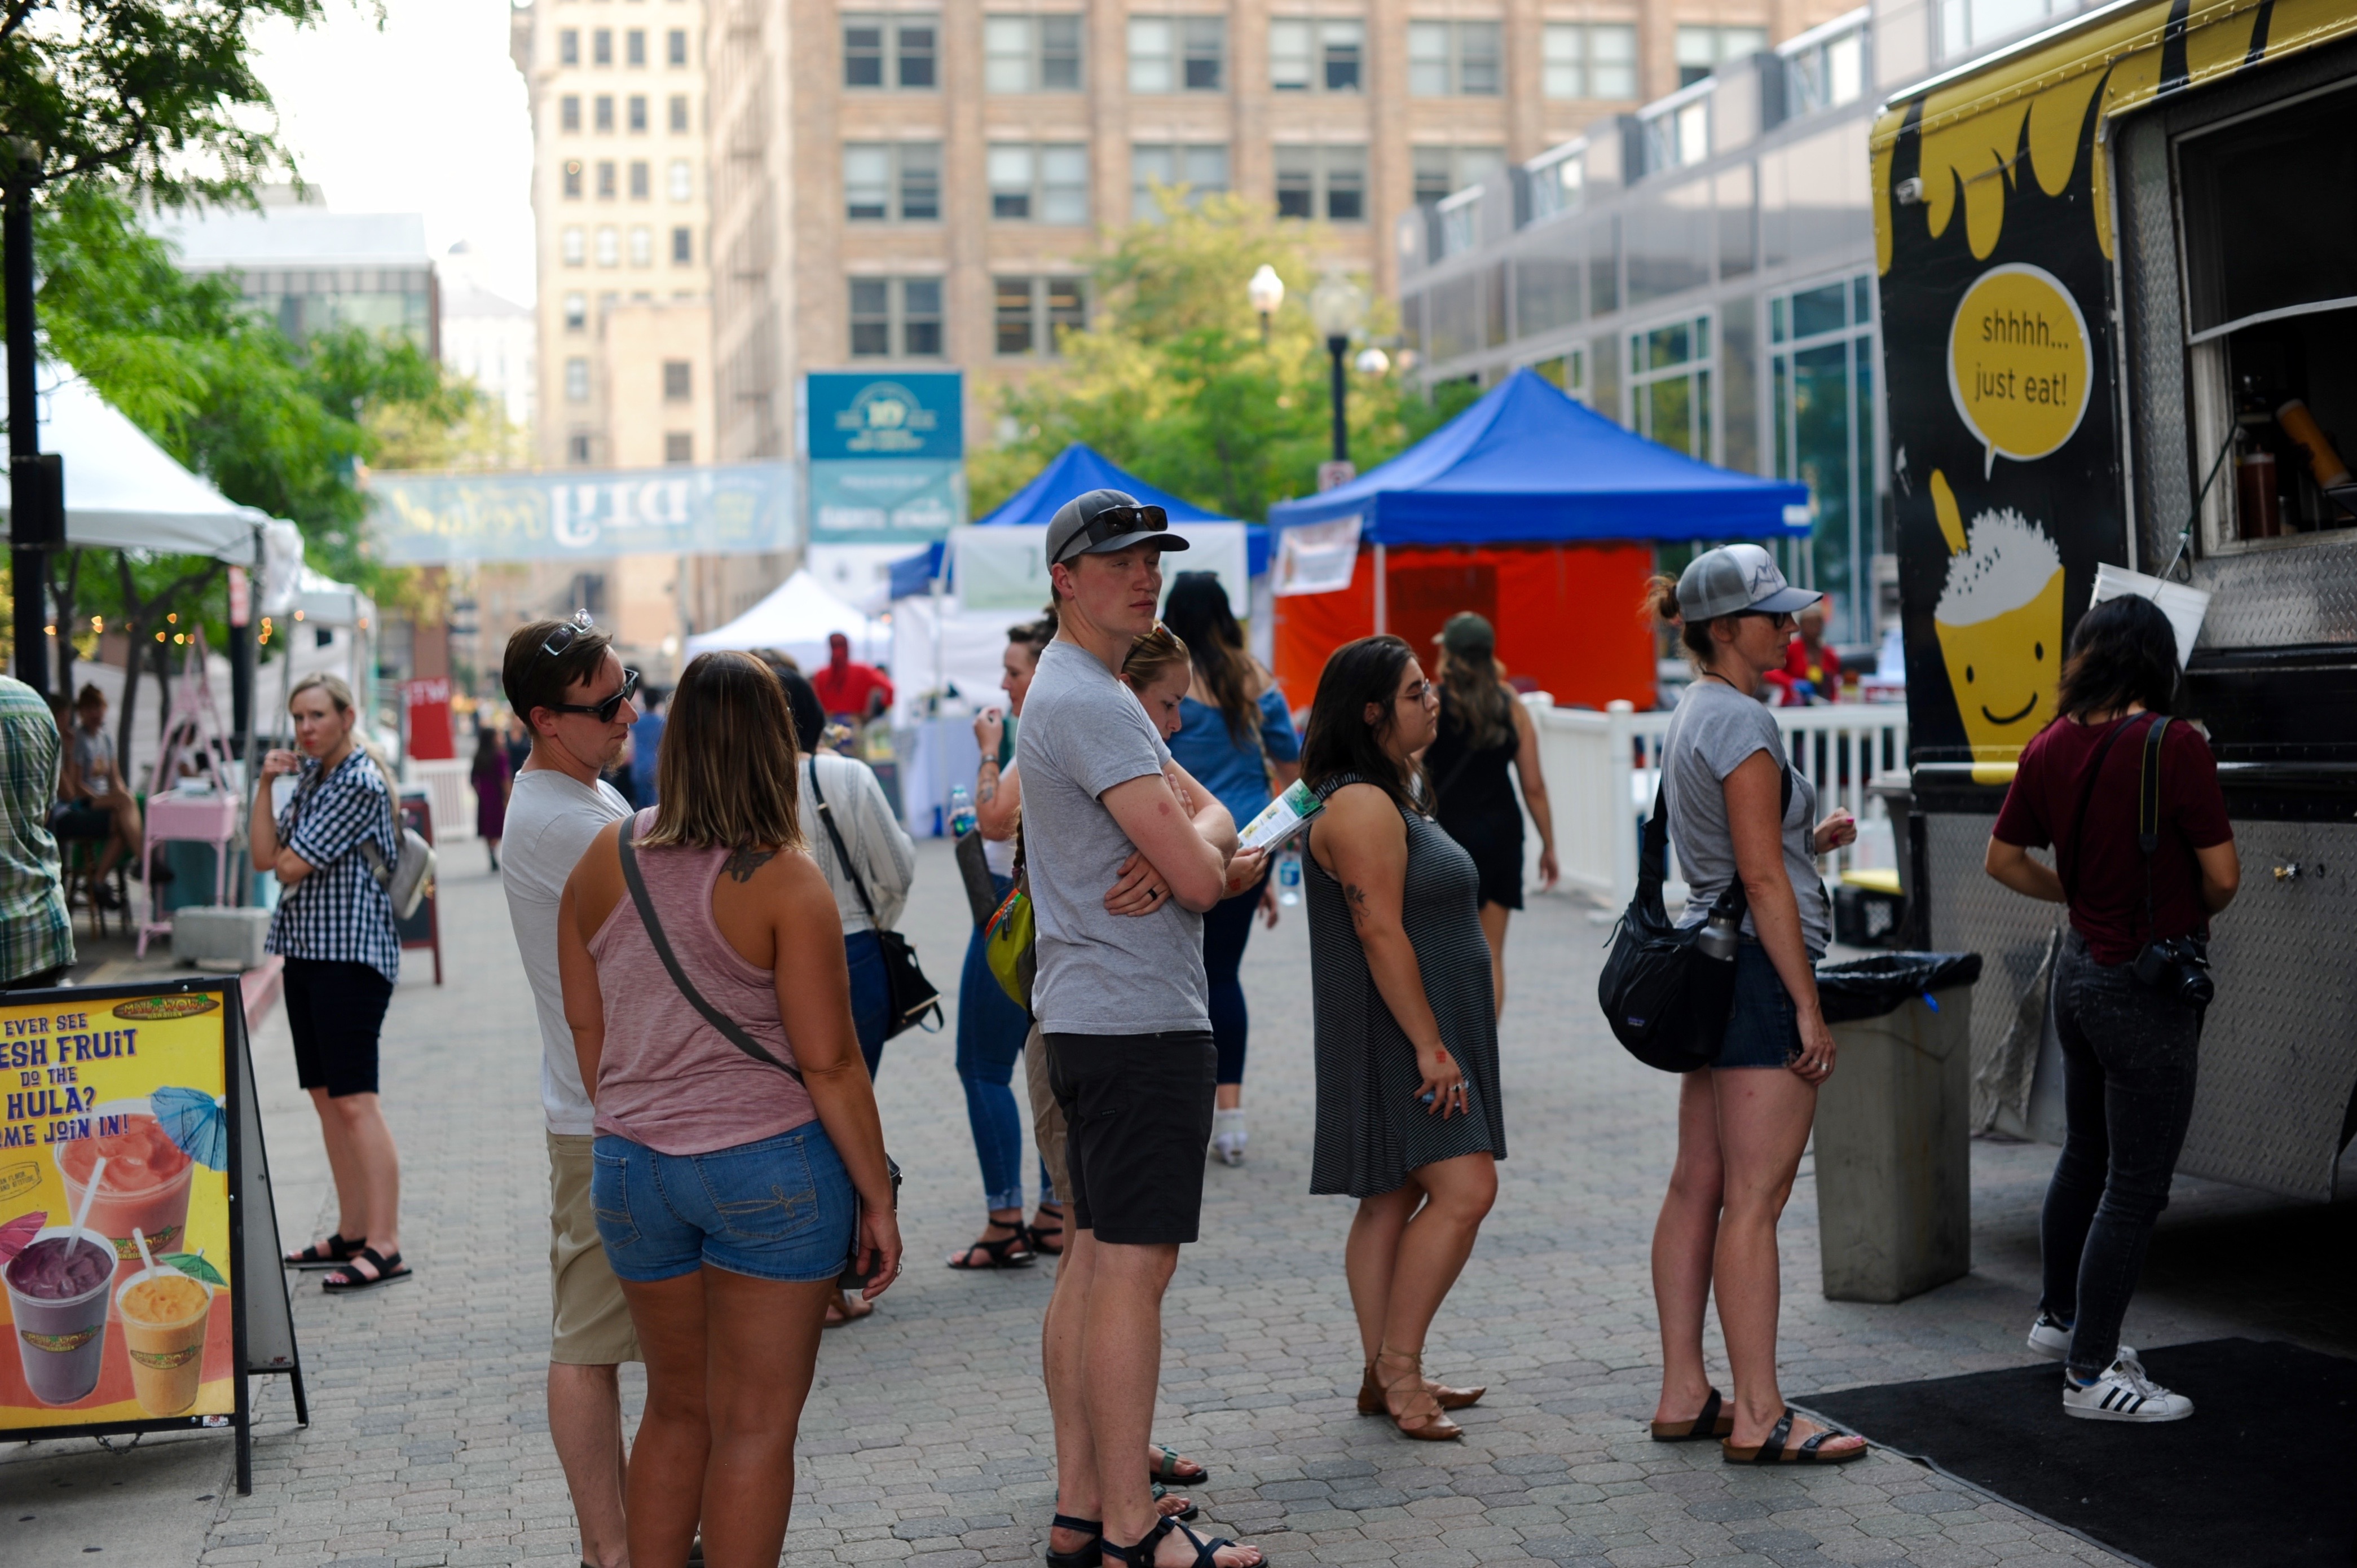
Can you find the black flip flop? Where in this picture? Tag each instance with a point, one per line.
(345, 1282)
(333, 1252)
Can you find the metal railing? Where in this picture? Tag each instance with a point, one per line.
(1602, 768)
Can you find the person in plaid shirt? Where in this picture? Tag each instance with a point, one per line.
(334, 926)
(35, 936)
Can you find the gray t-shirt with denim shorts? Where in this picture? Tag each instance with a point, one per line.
(1714, 729)
(1084, 733)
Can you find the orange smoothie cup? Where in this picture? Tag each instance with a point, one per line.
(165, 1316)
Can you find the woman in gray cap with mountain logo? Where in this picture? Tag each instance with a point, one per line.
(1737, 809)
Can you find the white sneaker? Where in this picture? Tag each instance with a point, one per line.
(1228, 1136)
(2052, 1339)
(2123, 1393)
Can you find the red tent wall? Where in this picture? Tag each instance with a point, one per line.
(1566, 614)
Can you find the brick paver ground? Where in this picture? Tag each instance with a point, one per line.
(926, 1441)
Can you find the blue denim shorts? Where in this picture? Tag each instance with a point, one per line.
(1762, 1029)
(779, 1208)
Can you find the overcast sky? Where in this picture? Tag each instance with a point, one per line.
(424, 115)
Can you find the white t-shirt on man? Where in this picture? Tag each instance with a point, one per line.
(551, 819)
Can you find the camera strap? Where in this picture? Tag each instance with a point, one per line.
(2067, 868)
(2149, 815)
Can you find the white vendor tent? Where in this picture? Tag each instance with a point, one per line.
(797, 619)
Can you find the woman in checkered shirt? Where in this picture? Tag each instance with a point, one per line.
(334, 926)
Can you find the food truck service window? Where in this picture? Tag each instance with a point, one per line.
(2269, 237)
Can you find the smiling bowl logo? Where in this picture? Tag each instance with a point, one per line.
(2000, 624)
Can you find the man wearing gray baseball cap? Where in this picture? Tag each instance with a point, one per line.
(1125, 1017)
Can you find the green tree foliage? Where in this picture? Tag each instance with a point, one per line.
(1171, 381)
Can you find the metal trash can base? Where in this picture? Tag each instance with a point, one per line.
(1894, 1151)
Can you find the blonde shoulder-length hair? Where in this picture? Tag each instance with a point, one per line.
(730, 775)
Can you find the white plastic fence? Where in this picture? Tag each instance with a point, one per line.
(1602, 768)
(449, 787)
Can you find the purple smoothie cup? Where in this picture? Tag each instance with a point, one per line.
(60, 1342)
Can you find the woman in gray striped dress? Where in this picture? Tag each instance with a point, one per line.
(1409, 1119)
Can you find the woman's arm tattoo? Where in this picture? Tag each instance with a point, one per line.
(1356, 897)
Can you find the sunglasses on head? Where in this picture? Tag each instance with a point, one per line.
(1115, 520)
(607, 709)
(562, 637)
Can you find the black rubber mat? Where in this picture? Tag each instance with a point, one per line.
(2265, 1471)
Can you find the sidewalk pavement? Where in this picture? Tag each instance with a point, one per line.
(926, 1440)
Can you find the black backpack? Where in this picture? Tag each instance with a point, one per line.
(1666, 1002)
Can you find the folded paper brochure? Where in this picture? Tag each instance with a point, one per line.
(1285, 816)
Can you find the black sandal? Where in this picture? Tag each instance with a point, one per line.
(1006, 1252)
(1142, 1554)
(1190, 1511)
(1168, 1470)
(335, 1250)
(1086, 1557)
(1709, 1423)
(1774, 1451)
(1039, 1234)
(345, 1281)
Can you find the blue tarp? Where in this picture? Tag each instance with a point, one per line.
(1526, 464)
(1077, 470)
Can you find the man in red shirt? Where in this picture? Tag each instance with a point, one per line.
(845, 689)
(1810, 657)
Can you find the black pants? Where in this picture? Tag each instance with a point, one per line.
(2128, 1059)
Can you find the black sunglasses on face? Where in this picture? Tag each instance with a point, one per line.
(1780, 619)
(605, 710)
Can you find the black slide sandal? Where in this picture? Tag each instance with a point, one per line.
(333, 1252)
(1809, 1452)
(1709, 1423)
(346, 1281)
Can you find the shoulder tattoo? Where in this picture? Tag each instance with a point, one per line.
(743, 863)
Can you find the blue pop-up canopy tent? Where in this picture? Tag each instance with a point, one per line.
(1527, 509)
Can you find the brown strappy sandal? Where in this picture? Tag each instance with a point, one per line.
(1370, 1395)
(1412, 1423)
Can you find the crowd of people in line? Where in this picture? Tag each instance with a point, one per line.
(708, 967)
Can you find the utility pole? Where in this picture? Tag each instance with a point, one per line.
(36, 512)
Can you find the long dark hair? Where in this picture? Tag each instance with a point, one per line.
(1197, 611)
(2122, 651)
(1340, 740)
(1478, 707)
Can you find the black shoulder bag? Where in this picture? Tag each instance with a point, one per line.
(1667, 1003)
(729, 1029)
(912, 994)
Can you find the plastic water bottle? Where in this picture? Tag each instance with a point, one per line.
(1288, 876)
(961, 821)
(1718, 938)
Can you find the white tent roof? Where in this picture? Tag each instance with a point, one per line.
(796, 618)
(124, 492)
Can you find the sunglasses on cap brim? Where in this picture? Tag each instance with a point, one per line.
(1116, 521)
(605, 710)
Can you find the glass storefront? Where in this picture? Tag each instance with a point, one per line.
(1822, 352)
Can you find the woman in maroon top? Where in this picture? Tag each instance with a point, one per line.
(2128, 1047)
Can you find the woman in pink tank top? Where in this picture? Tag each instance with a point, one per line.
(727, 1187)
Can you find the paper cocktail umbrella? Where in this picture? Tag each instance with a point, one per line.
(193, 1120)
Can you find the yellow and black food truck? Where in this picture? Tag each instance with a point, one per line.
(2119, 289)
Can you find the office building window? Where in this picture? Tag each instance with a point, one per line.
(678, 385)
(896, 318)
(605, 112)
(892, 181)
(1822, 353)
(601, 47)
(574, 245)
(576, 380)
(679, 447)
(1031, 54)
(683, 246)
(1826, 72)
(1316, 57)
(1442, 171)
(577, 312)
(1029, 312)
(1201, 169)
(1327, 182)
(609, 246)
(1038, 184)
(573, 180)
(682, 185)
(890, 51)
(1589, 59)
(679, 113)
(576, 451)
(642, 245)
(675, 46)
(1669, 384)
(1702, 51)
(634, 46)
(637, 120)
(1448, 60)
(1178, 54)
(641, 182)
(607, 183)
(568, 111)
(568, 47)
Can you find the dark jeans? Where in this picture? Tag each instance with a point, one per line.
(1226, 930)
(2128, 1059)
(871, 995)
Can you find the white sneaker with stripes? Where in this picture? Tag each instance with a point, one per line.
(2123, 1393)
(2052, 1339)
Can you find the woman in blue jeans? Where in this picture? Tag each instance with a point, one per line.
(2129, 1049)
(1236, 737)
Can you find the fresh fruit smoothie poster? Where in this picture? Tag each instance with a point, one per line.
(115, 1224)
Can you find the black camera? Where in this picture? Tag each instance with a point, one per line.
(2179, 968)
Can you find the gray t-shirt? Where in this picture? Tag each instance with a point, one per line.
(1084, 732)
(551, 820)
(1714, 729)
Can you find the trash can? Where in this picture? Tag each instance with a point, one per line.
(1894, 1176)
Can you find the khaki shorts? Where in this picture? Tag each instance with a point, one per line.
(1047, 1116)
(590, 1323)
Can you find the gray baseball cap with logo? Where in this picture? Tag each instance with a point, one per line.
(1104, 521)
(1734, 578)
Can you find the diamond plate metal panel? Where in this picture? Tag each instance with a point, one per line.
(2279, 1048)
(2267, 598)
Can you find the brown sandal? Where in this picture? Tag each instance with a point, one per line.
(1370, 1395)
(1433, 1428)
(1709, 1423)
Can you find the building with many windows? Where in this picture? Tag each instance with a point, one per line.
(1703, 270)
(914, 182)
(310, 269)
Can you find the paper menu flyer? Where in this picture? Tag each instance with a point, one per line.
(1282, 816)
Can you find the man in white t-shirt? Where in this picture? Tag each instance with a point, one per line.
(564, 680)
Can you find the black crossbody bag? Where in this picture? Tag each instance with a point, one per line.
(1667, 1003)
(912, 994)
(732, 1032)
(2177, 967)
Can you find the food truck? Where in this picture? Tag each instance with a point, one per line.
(2118, 267)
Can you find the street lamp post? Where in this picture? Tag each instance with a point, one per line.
(1266, 292)
(1337, 306)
